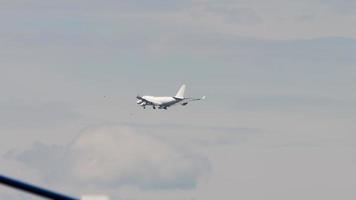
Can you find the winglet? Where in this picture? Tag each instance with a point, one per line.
(180, 93)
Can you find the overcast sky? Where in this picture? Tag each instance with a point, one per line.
(278, 122)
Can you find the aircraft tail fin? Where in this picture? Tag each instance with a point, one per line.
(180, 93)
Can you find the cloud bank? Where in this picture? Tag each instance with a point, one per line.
(115, 156)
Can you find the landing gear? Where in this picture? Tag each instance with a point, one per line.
(154, 107)
(144, 107)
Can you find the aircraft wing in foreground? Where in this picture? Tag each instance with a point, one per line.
(163, 102)
(26, 187)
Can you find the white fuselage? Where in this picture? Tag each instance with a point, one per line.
(161, 101)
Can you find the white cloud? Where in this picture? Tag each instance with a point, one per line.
(114, 156)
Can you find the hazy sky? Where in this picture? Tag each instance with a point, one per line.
(278, 122)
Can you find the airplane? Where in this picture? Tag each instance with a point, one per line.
(42, 192)
(165, 102)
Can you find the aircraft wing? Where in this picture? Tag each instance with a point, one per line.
(196, 99)
(185, 101)
(26, 187)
